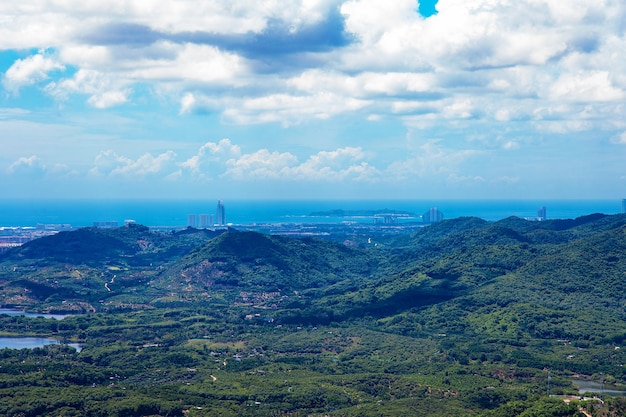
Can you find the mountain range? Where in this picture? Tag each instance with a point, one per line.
(506, 300)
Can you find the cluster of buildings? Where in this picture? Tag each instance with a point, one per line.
(433, 215)
(11, 237)
(16, 236)
(204, 221)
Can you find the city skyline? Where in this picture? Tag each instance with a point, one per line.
(337, 99)
(204, 220)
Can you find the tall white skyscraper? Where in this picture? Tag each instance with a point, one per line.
(220, 214)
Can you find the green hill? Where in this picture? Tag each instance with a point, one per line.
(249, 261)
(68, 271)
(96, 246)
(463, 317)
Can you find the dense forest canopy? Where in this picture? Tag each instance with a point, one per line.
(462, 317)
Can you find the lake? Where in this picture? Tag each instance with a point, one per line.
(12, 312)
(31, 342)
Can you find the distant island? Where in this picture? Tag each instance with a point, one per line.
(361, 213)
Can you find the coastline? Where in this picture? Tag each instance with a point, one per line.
(173, 213)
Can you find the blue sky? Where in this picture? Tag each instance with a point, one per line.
(313, 99)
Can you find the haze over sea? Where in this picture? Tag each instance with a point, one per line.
(174, 212)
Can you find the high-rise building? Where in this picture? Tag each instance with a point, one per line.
(191, 220)
(624, 205)
(204, 221)
(432, 216)
(542, 213)
(220, 214)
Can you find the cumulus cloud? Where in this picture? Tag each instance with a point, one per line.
(103, 90)
(110, 164)
(338, 165)
(25, 167)
(211, 158)
(29, 71)
(261, 164)
(225, 159)
(334, 165)
(474, 64)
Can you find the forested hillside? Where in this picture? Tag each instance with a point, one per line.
(464, 317)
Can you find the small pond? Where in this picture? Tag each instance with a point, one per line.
(598, 388)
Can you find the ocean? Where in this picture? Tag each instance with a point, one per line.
(173, 213)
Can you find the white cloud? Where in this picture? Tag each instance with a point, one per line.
(585, 87)
(87, 57)
(488, 73)
(337, 165)
(225, 159)
(108, 99)
(30, 23)
(365, 84)
(29, 71)
(104, 90)
(31, 166)
(619, 139)
(262, 164)
(292, 109)
(188, 62)
(110, 164)
(188, 103)
(211, 158)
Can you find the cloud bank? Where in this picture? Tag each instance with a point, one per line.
(471, 80)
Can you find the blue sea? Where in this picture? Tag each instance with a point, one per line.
(173, 213)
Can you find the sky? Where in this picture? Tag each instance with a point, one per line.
(313, 99)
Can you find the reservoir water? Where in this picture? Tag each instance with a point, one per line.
(11, 312)
(598, 388)
(31, 342)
